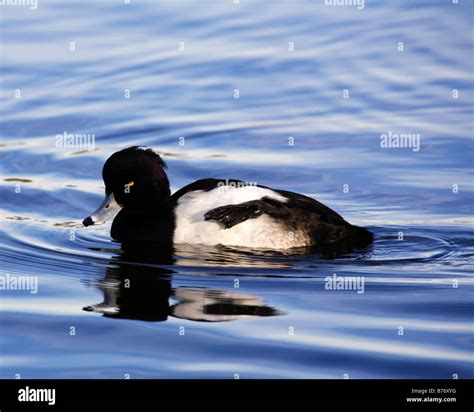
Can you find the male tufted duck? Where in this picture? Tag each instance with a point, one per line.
(212, 211)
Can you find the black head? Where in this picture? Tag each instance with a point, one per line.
(137, 178)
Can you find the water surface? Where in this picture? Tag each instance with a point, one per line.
(166, 74)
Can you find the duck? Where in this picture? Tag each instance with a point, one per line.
(210, 211)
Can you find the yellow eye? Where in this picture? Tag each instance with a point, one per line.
(131, 183)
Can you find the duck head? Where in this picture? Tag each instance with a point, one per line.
(135, 180)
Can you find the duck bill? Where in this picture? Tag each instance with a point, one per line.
(107, 210)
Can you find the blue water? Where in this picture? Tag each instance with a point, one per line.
(294, 127)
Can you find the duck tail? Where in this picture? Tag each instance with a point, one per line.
(361, 237)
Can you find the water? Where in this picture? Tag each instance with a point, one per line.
(183, 316)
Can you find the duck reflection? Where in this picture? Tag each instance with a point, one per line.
(134, 287)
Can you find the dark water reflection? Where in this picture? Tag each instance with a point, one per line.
(136, 287)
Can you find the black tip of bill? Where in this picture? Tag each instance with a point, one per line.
(87, 221)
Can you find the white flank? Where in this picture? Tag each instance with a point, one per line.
(262, 232)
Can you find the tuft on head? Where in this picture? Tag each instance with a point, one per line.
(149, 151)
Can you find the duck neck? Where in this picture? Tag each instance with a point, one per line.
(150, 224)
